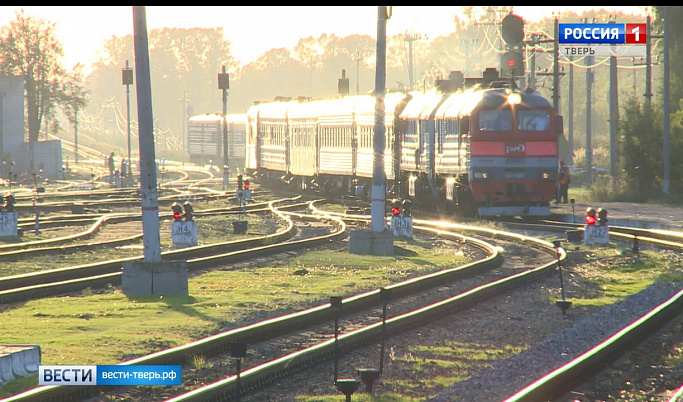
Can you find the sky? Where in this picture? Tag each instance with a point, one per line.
(253, 30)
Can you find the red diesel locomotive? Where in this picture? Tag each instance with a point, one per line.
(472, 146)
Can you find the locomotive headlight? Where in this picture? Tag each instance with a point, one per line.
(480, 175)
(545, 175)
(514, 98)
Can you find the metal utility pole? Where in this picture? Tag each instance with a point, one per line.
(185, 101)
(358, 59)
(148, 171)
(127, 79)
(410, 38)
(665, 109)
(378, 191)
(613, 115)
(570, 113)
(556, 68)
(2, 136)
(648, 62)
(613, 119)
(224, 85)
(589, 106)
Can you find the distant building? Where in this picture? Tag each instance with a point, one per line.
(13, 147)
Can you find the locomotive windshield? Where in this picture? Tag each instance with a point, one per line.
(533, 120)
(495, 120)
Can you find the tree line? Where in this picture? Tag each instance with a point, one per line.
(185, 64)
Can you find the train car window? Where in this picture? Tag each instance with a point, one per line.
(464, 125)
(389, 137)
(411, 131)
(533, 120)
(495, 120)
(424, 134)
(440, 134)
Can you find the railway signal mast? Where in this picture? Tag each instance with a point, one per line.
(512, 31)
(224, 85)
(379, 241)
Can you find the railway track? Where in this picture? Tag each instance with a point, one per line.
(409, 287)
(226, 388)
(67, 279)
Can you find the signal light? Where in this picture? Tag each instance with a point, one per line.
(189, 209)
(512, 29)
(396, 207)
(177, 211)
(590, 216)
(602, 217)
(240, 182)
(513, 62)
(405, 207)
(9, 202)
(246, 184)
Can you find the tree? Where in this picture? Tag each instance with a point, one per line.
(29, 48)
(641, 149)
(74, 97)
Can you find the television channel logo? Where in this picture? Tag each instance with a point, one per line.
(603, 40)
(603, 34)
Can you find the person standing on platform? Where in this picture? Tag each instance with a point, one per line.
(112, 166)
(563, 183)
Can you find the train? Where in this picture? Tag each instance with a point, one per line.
(205, 139)
(471, 146)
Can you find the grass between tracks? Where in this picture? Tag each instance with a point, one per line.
(106, 327)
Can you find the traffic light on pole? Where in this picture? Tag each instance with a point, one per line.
(590, 216)
(177, 211)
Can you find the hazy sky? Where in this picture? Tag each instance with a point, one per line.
(253, 30)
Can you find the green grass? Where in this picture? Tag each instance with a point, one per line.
(108, 327)
(215, 229)
(612, 278)
(18, 385)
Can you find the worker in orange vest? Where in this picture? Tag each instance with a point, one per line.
(563, 181)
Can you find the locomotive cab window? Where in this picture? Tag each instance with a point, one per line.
(495, 120)
(533, 120)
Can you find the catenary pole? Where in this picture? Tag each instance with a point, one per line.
(378, 191)
(665, 109)
(148, 173)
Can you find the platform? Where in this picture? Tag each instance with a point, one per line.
(18, 361)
